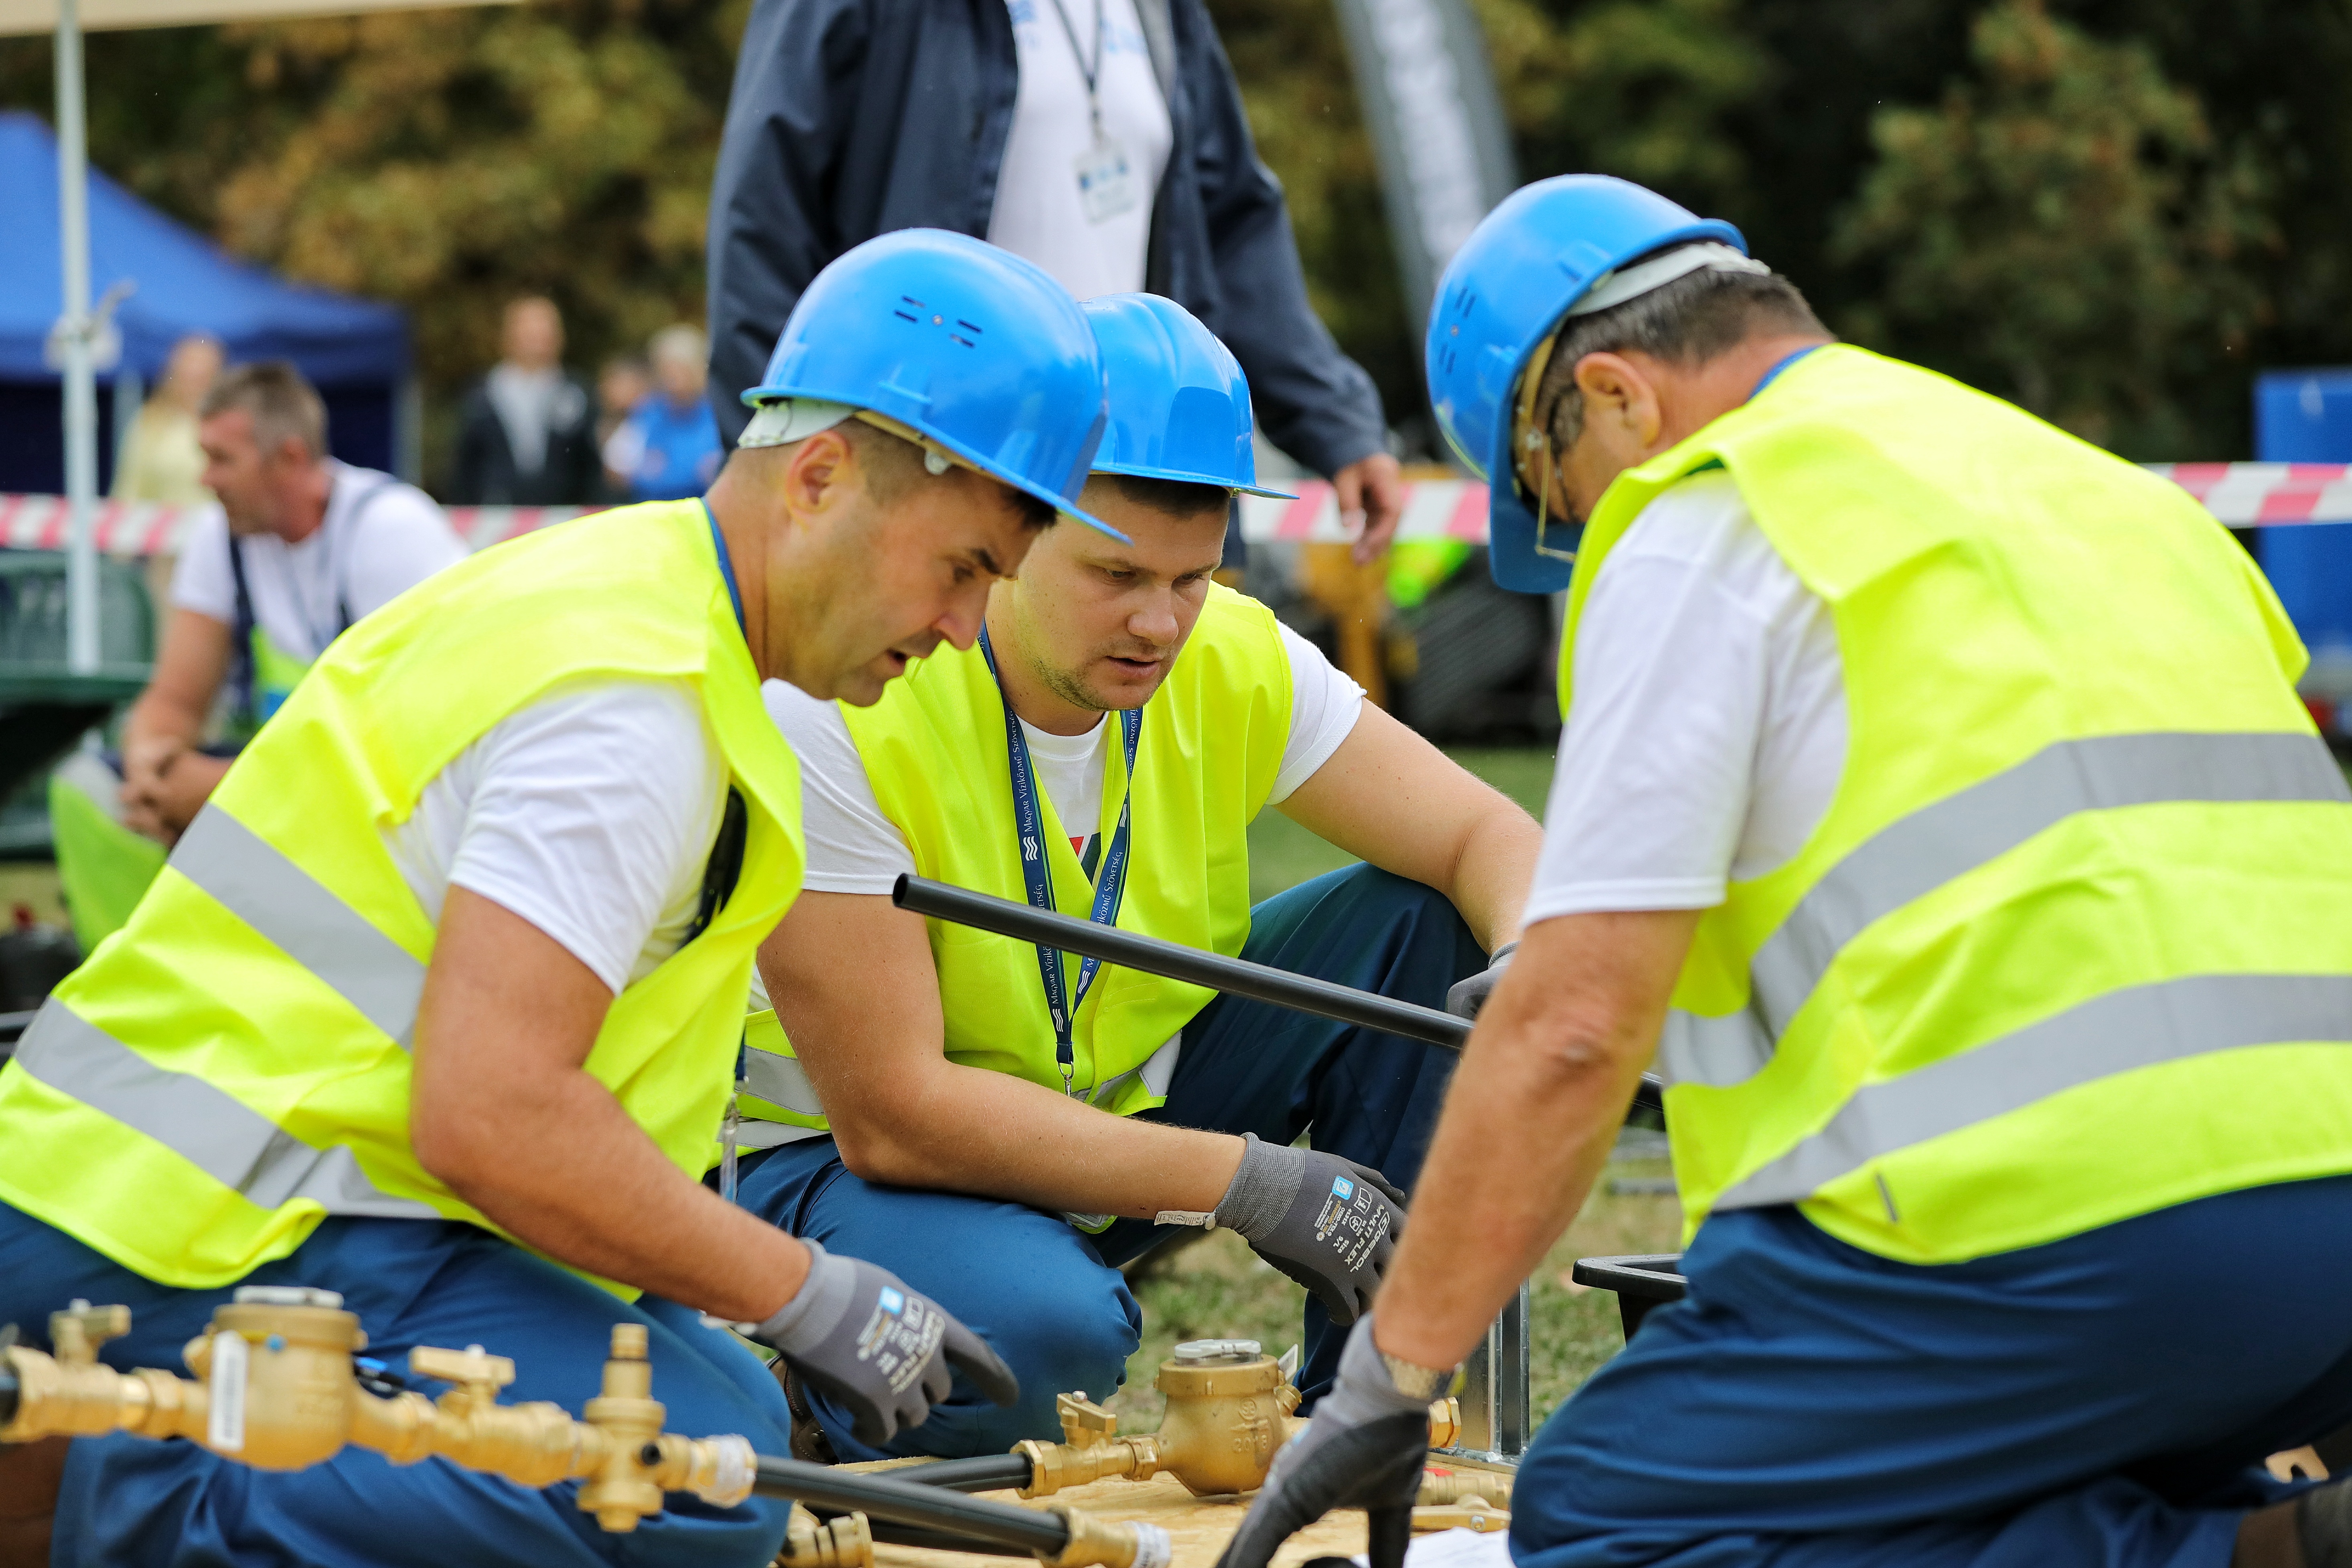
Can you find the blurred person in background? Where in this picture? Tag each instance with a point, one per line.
(161, 459)
(667, 449)
(621, 386)
(1103, 139)
(300, 547)
(527, 433)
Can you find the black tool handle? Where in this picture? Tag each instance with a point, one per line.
(881, 1495)
(1174, 961)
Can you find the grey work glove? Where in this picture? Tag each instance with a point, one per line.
(1364, 1448)
(1329, 1223)
(882, 1351)
(1464, 997)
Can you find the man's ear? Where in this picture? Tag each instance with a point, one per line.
(1615, 390)
(821, 473)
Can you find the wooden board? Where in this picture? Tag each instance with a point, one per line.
(1198, 1527)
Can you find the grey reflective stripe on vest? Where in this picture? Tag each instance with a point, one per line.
(1156, 1071)
(2140, 1026)
(211, 1129)
(318, 930)
(1911, 858)
(779, 1081)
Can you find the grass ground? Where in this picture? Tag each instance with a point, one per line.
(1216, 1287)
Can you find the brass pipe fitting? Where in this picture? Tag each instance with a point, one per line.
(277, 1392)
(844, 1543)
(1472, 1514)
(1229, 1409)
(1104, 1544)
(1444, 1488)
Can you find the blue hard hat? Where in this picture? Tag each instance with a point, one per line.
(1180, 406)
(965, 344)
(1536, 254)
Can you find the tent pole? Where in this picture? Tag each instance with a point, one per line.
(80, 388)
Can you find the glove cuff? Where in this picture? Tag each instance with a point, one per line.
(810, 1315)
(1261, 1190)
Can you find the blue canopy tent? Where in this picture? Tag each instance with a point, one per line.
(354, 350)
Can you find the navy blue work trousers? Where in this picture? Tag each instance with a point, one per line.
(1050, 1299)
(132, 1502)
(2103, 1401)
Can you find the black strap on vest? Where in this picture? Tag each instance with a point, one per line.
(241, 673)
(726, 867)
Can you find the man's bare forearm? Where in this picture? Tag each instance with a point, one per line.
(1528, 1122)
(967, 1129)
(562, 1168)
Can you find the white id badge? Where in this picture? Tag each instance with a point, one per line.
(1107, 181)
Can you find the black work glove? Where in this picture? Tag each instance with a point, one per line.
(883, 1351)
(1329, 1223)
(1464, 997)
(1364, 1448)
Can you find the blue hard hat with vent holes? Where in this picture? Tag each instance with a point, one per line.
(1180, 406)
(968, 345)
(1538, 252)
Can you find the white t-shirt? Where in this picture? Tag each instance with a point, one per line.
(299, 592)
(1039, 214)
(1707, 727)
(854, 847)
(590, 813)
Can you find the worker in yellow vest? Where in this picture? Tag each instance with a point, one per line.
(1003, 1125)
(1935, 803)
(435, 1002)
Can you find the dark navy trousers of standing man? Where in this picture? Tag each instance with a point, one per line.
(1048, 1298)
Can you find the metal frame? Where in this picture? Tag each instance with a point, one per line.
(1496, 1409)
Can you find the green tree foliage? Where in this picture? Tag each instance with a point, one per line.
(2062, 229)
(444, 160)
(1900, 158)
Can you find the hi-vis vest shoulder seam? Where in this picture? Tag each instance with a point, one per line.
(233, 1065)
(2086, 858)
(934, 750)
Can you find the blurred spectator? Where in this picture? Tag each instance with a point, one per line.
(527, 434)
(621, 386)
(300, 547)
(668, 449)
(1103, 139)
(161, 460)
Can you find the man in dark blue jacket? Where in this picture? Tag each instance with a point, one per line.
(1104, 140)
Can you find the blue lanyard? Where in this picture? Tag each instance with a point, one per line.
(726, 568)
(1036, 872)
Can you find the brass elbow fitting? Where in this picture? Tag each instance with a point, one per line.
(844, 1543)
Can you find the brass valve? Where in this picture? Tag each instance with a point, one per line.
(276, 1391)
(1444, 1488)
(1228, 1409)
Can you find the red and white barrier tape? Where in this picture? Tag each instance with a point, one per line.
(2243, 495)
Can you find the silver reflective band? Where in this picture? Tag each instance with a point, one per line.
(208, 1127)
(1694, 1048)
(2142, 1026)
(1156, 1072)
(258, 885)
(779, 1081)
(1912, 857)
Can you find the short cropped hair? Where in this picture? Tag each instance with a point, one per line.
(1180, 498)
(283, 405)
(1689, 321)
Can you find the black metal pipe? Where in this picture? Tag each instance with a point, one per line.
(883, 1496)
(989, 1472)
(1174, 961)
(889, 1534)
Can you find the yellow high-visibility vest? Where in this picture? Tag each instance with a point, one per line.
(936, 753)
(233, 1065)
(2074, 940)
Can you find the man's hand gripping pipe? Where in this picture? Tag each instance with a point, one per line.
(1174, 961)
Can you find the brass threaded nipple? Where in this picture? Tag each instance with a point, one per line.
(628, 1341)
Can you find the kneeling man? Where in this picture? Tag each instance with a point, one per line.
(1002, 1125)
